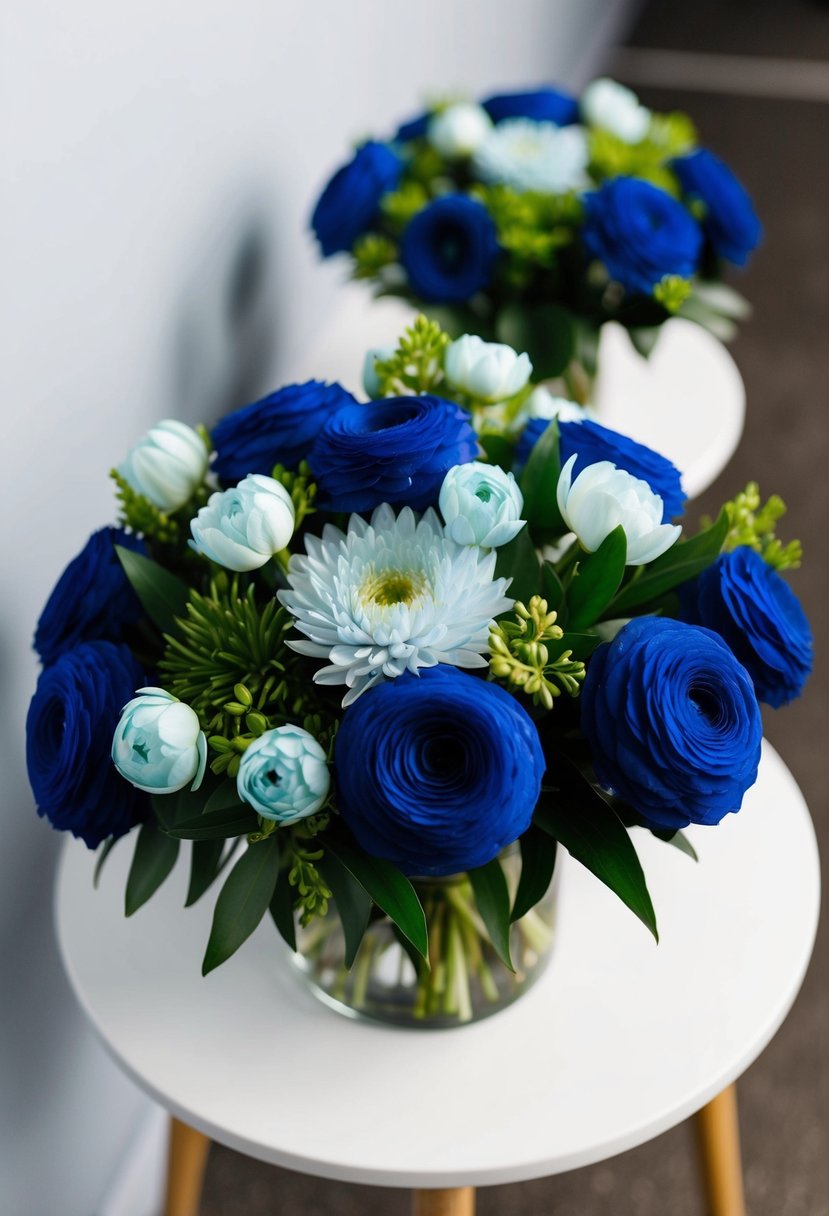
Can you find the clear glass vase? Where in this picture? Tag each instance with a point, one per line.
(466, 980)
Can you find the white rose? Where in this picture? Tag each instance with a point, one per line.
(487, 371)
(601, 498)
(542, 404)
(609, 105)
(481, 505)
(243, 528)
(167, 465)
(459, 130)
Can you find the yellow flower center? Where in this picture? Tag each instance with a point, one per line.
(393, 587)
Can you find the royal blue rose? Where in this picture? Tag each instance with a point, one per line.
(672, 721)
(92, 599)
(348, 204)
(72, 718)
(397, 450)
(279, 429)
(755, 611)
(437, 773)
(539, 105)
(640, 233)
(729, 220)
(449, 249)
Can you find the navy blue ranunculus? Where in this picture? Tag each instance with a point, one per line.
(755, 611)
(349, 203)
(449, 249)
(438, 772)
(413, 128)
(92, 600)
(640, 233)
(397, 450)
(672, 721)
(279, 429)
(730, 221)
(72, 718)
(539, 105)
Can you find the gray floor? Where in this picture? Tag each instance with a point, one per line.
(780, 149)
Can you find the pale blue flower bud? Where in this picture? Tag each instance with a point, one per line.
(459, 130)
(607, 104)
(481, 505)
(377, 354)
(167, 465)
(158, 744)
(244, 527)
(601, 498)
(284, 775)
(487, 371)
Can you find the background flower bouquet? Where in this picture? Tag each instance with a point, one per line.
(533, 218)
(374, 661)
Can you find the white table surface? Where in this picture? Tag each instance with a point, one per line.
(620, 1040)
(686, 401)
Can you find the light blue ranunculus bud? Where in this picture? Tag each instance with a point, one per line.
(167, 465)
(488, 371)
(158, 744)
(459, 130)
(284, 775)
(244, 527)
(481, 505)
(377, 354)
(606, 103)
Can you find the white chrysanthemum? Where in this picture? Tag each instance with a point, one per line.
(391, 596)
(538, 156)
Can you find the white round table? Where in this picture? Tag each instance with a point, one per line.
(619, 1041)
(687, 400)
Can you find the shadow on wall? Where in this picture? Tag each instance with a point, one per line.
(225, 339)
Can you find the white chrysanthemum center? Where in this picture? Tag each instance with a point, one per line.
(391, 596)
(388, 587)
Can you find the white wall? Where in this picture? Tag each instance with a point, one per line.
(158, 159)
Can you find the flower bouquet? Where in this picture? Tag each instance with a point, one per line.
(533, 218)
(372, 662)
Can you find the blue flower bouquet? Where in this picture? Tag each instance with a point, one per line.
(534, 218)
(372, 662)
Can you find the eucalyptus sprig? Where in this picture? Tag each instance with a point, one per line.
(417, 364)
(521, 657)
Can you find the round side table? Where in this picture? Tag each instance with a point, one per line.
(620, 1040)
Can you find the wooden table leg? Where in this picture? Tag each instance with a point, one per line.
(718, 1132)
(455, 1201)
(186, 1161)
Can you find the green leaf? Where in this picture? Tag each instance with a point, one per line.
(547, 332)
(538, 860)
(216, 825)
(492, 898)
(498, 449)
(680, 841)
(163, 596)
(644, 339)
(596, 581)
(180, 806)
(154, 857)
(539, 482)
(518, 561)
(552, 590)
(683, 561)
(579, 818)
(582, 645)
(104, 852)
(390, 890)
(242, 902)
(281, 909)
(224, 798)
(204, 867)
(353, 903)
